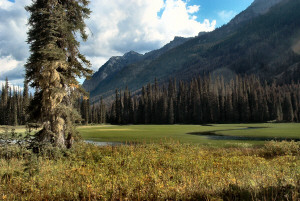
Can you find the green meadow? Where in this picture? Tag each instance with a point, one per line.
(18, 129)
(219, 135)
(192, 134)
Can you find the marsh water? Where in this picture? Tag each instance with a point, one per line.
(104, 143)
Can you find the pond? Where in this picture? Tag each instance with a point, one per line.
(102, 144)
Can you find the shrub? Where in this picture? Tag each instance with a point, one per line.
(274, 148)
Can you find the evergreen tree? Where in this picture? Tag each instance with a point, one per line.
(206, 100)
(102, 112)
(4, 103)
(54, 64)
(287, 109)
(118, 107)
(126, 102)
(14, 109)
(171, 112)
(25, 103)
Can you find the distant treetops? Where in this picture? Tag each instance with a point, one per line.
(13, 105)
(199, 101)
(208, 100)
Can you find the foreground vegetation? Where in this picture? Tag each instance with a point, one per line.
(160, 171)
(163, 162)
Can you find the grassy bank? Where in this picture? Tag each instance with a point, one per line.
(158, 171)
(189, 133)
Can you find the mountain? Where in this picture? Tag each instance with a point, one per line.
(110, 68)
(257, 8)
(263, 40)
(115, 64)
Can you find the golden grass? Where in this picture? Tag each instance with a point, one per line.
(165, 171)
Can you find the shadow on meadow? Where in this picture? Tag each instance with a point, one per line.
(236, 193)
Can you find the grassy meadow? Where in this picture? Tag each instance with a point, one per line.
(191, 133)
(163, 163)
(18, 129)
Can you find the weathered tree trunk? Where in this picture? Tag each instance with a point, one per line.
(54, 64)
(58, 127)
(53, 133)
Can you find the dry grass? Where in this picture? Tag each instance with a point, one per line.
(165, 171)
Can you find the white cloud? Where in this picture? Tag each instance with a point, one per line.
(13, 48)
(193, 9)
(226, 15)
(11, 68)
(4, 4)
(124, 25)
(8, 63)
(97, 61)
(115, 27)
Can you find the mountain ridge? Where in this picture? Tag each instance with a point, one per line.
(257, 8)
(116, 63)
(229, 50)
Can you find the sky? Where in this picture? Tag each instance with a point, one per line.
(116, 27)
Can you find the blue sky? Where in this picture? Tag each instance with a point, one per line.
(211, 8)
(116, 27)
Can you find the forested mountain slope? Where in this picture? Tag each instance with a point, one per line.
(115, 64)
(262, 40)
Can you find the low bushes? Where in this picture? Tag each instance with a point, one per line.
(273, 148)
(165, 171)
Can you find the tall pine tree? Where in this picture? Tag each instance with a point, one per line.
(54, 64)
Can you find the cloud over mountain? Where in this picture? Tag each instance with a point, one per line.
(120, 26)
(115, 27)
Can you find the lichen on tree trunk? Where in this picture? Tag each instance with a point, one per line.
(55, 133)
(53, 66)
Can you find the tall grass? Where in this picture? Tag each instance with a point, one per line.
(162, 171)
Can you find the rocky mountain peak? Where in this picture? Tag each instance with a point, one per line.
(257, 8)
(131, 54)
(263, 6)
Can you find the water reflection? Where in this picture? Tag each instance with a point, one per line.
(102, 144)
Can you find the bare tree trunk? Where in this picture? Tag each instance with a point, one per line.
(59, 128)
(53, 133)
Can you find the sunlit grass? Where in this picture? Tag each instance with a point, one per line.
(18, 129)
(183, 133)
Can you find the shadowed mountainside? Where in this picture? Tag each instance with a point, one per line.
(263, 40)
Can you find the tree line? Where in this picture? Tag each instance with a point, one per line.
(208, 100)
(13, 105)
(95, 113)
(199, 101)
